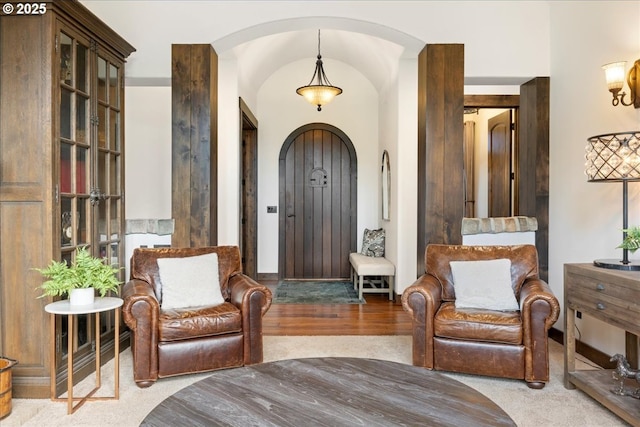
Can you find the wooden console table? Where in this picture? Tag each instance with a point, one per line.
(612, 296)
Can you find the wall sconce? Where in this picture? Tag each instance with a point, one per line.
(614, 73)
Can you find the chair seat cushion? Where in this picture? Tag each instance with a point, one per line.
(180, 324)
(478, 325)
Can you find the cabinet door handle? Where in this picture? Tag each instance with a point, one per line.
(600, 306)
(599, 287)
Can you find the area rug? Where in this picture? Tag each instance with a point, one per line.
(311, 292)
(552, 406)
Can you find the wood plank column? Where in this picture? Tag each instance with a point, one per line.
(194, 147)
(440, 146)
(533, 163)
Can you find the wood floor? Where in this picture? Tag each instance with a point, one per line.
(378, 316)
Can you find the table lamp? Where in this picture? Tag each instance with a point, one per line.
(615, 157)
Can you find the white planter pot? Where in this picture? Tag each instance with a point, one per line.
(83, 296)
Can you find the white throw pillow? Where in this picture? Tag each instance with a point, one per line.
(190, 281)
(484, 284)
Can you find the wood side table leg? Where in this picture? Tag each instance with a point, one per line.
(70, 331)
(116, 356)
(98, 374)
(569, 345)
(52, 362)
(631, 349)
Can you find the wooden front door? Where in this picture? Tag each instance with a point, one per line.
(318, 170)
(500, 165)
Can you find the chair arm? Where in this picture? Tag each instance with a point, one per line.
(140, 312)
(422, 300)
(140, 302)
(253, 300)
(423, 296)
(242, 289)
(540, 310)
(537, 300)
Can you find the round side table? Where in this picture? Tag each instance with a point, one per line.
(63, 308)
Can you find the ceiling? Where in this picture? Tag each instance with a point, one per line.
(375, 58)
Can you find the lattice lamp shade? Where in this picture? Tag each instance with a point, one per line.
(613, 157)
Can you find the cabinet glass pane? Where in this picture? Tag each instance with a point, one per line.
(66, 257)
(82, 224)
(83, 325)
(103, 168)
(82, 119)
(115, 219)
(102, 80)
(102, 222)
(106, 323)
(114, 254)
(65, 168)
(103, 252)
(114, 100)
(82, 170)
(81, 68)
(102, 126)
(66, 221)
(114, 176)
(65, 114)
(114, 136)
(66, 59)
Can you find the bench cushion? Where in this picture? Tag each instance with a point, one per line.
(371, 266)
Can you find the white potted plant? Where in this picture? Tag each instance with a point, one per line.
(80, 280)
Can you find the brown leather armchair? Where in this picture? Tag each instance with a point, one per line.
(196, 339)
(508, 344)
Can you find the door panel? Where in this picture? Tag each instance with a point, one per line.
(318, 203)
(249, 191)
(500, 165)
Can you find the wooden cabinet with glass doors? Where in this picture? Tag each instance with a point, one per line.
(61, 135)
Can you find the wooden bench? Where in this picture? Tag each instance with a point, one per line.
(376, 269)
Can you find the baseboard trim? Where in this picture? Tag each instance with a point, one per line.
(593, 354)
(267, 276)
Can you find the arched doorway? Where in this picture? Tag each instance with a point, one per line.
(318, 203)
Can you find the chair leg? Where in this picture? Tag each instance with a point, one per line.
(390, 288)
(537, 385)
(360, 286)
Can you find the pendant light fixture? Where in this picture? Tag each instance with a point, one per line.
(319, 91)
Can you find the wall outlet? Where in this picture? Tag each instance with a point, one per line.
(272, 209)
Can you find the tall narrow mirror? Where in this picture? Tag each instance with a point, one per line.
(386, 185)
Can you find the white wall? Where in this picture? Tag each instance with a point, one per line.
(228, 153)
(148, 152)
(404, 170)
(586, 218)
(281, 111)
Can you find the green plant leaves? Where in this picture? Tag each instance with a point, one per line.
(632, 241)
(85, 271)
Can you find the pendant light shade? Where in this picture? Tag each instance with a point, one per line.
(319, 91)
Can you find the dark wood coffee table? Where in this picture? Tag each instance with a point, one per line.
(328, 392)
